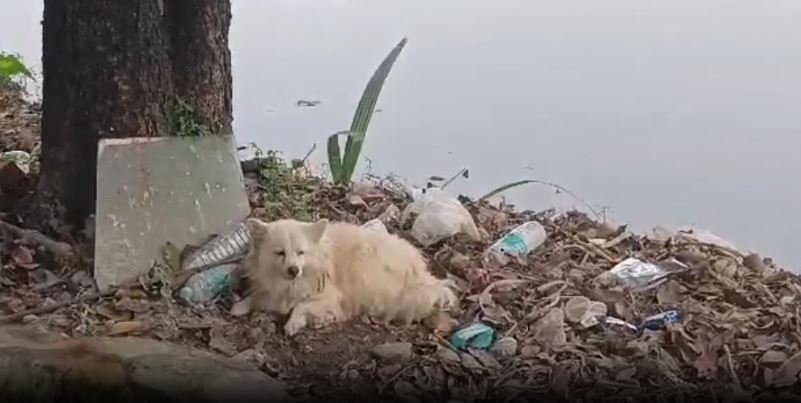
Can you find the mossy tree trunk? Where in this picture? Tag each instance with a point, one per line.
(116, 69)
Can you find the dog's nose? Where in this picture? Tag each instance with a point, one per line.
(293, 271)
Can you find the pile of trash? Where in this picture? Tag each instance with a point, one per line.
(556, 304)
(551, 305)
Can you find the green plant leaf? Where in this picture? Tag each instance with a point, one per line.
(334, 156)
(504, 188)
(508, 186)
(364, 112)
(11, 65)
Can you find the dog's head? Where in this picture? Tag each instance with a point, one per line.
(284, 247)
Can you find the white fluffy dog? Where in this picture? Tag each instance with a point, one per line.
(322, 272)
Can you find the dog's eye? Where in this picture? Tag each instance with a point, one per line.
(300, 252)
(280, 253)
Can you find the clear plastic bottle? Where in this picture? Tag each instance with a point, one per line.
(518, 242)
(204, 286)
(231, 245)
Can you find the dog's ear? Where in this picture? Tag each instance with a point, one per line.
(258, 229)
(316, 230)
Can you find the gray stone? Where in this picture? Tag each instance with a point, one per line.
(447, 355)
(40, 365)
(154, 190)
(505, 347)
(394, 352)
(470, 363)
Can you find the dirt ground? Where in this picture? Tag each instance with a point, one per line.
(738, 335)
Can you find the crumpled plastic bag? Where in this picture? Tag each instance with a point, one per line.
(439, 216)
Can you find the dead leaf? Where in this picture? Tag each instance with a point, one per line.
(219, 342)
(773, 357)
(755, 263)
(356, 201)
(132, 293)
(549, 331)
(707, 364)
(626, 374)
(669, 293)
(23, 258)
(787, 374)
(112, 313)
(441, 323)
(121, 328)
(576, 308)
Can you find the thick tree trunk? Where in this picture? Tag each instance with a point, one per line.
(115, 69)
(201, 58)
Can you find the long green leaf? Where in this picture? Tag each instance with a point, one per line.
(364, 112)
(504, 188)
(334, 158)
(508, 186)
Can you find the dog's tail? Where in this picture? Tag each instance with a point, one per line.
(424, 298)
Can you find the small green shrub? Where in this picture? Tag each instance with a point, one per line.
(284, 192)
(186, 121)
(12, 69)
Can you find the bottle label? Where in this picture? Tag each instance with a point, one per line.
(514, 243)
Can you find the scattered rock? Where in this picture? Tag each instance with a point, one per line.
(773, 357)
(505, 347)
(469, 362)
(127, 327)
(405, 392)
(393, 352)
(485, 359)
(447, 355)
(127, 368)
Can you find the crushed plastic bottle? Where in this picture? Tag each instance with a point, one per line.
(439, 216)
(518, 242)
(477, 335)
(662, 320)
(375, 225)
(230, 246)
(638, 276)
(204, 286)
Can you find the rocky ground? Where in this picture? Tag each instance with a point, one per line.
(738, 335)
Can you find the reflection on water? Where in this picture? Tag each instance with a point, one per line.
(669, 113)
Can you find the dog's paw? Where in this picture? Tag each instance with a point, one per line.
(241, 308)
(320, 321)
(294, 324)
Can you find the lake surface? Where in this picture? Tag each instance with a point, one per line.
(666, 113)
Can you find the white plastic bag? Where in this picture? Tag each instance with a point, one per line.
(439, 216)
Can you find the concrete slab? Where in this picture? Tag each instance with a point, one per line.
(154, 190)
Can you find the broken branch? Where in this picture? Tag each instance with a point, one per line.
(28, 235)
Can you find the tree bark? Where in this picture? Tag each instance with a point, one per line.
(115, 69)
(201, 59)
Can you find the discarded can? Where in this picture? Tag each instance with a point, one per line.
(662, 320)
(204, 286)
(477, 335)
(225, 248)
(518, 242)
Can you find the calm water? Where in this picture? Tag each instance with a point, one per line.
(668, 113)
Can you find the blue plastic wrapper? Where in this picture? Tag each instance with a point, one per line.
(662, 320)
(477, 335)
